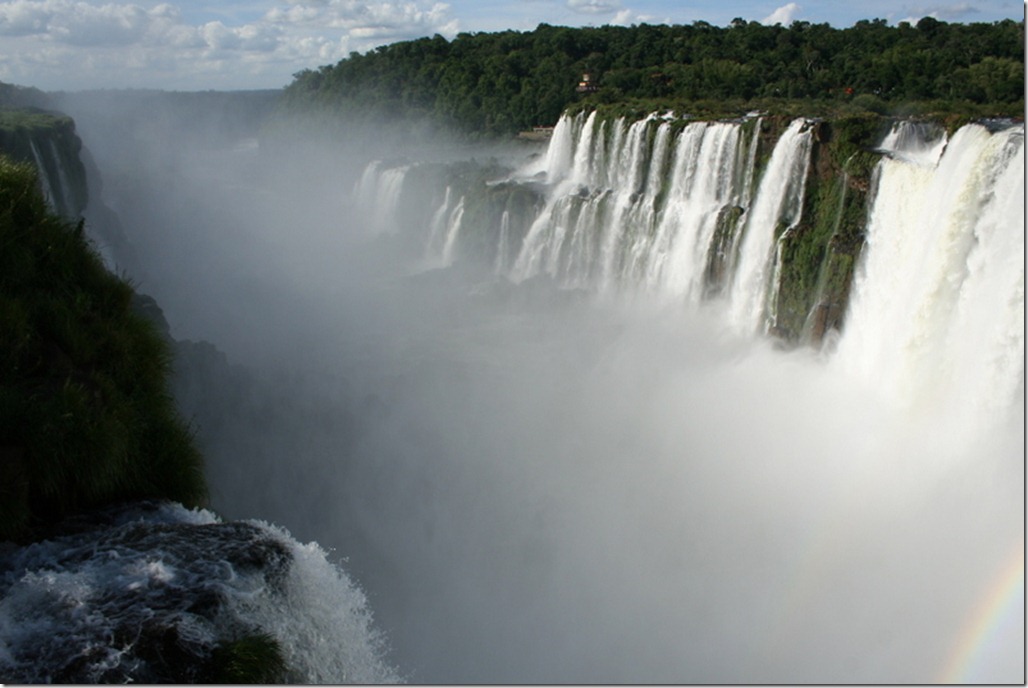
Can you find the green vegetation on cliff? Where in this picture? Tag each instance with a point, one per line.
(498, 83)
(86, 418)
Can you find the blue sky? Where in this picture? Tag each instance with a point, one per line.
(237, 44)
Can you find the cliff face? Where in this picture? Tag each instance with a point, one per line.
(103, 578)
(68, 177)
(817, 257)
(48, 141)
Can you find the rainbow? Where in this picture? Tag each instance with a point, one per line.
(999, 614)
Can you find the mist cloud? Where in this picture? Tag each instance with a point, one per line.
(534, 485)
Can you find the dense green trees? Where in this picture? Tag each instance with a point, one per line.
(505, 81)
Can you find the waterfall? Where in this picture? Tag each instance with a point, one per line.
(44, 178)
(437, 229)
(377, 195)
(779, 201)
(839, 459)
(636, 207)
(63, 186)
(452, 232)
(106, 601)
(938, 304)
(675, 209)
(921, 143)
(702, 184)
(502, 249)
(540, 484)
(53, 178)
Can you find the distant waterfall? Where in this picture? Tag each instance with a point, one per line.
(452, 233)
(378, 196)
(53, 178)
(44, 176)
(635, 204)
(683, 210)
(502, 250)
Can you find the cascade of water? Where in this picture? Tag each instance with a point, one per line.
(986, 330)
(178, 580)
(568, 174)
(630, 204)
(637, 208)
(378, 195)
(702, 185)
(598, 150)
(626, 172)
(659, 161)
(938, 304)
(452, 232)
(437, 227)
(608, 164)
(583, 162)
(921, 143)
(44, 177)
(638, 252)
(503, 245)
(583, 247)
(681, 173)
(751, 166)
(779, 201)
(560, 152)
(63, 186)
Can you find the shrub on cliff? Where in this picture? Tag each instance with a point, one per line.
(86, 418)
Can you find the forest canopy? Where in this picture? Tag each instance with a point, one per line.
(495, 83)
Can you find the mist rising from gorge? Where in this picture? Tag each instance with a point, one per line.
(534, 484)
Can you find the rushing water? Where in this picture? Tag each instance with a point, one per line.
(949, 237)
(565, 465)
(723, 511)
(101, 603)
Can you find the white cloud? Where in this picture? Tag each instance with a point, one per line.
(623, 18)
(955, 12)
(594, 6)
(58, 44)
(784, 15)
(628, 17)
(220, 37)
(107, 25)
(23, 18)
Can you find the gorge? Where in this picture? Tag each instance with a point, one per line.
(664, 400)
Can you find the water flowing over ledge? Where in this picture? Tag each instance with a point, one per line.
(148, 593)
(586, 457)
(689, 211)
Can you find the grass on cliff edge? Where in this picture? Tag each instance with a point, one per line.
(86, 417)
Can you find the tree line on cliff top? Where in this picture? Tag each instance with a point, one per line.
(502, 82)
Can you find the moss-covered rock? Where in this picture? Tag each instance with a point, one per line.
(818, 256)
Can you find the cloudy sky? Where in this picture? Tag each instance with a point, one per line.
(239, 44)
